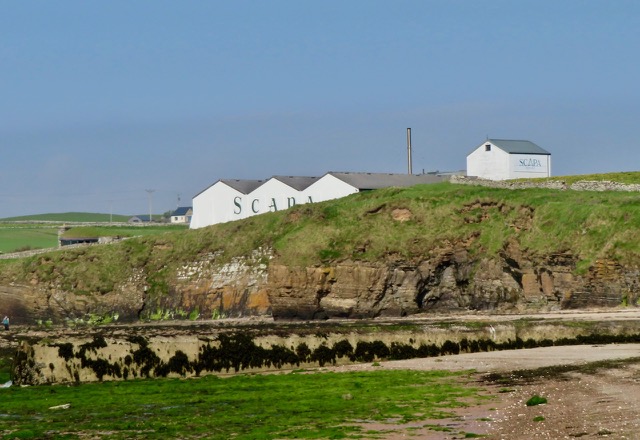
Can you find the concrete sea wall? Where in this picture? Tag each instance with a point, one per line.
(130, 353)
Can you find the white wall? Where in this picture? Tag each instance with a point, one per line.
(271, 196)
(492, 165)
(328, 187)
(497, 164)
(529, 166)
(220, 203)
(215, 205)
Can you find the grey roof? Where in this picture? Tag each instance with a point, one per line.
(242, 185)
(297, 182)
(517, 146)
(361, 181)
(364, 181)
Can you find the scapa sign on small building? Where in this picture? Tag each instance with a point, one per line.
(502, 159)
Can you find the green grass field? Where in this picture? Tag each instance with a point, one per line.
(70, 217)
(122, 231)
(279, 406)
(24, 236)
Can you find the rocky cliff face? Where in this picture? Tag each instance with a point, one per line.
(449, 280)
(203, 289)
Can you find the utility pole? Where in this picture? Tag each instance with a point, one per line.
(150, 195)
(409, 160)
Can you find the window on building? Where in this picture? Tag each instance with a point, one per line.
(487, 147)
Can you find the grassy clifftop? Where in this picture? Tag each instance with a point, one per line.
(391, 224)
(64, 217)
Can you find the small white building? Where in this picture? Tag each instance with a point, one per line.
(502, 159)
(182, 215)
(228, 200)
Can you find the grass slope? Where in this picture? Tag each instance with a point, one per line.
(368, 226)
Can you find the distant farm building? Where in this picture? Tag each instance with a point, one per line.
(140, 219)
(228, 200)
(182, 215)
(502, 159)
(66, 238)
(77, 240)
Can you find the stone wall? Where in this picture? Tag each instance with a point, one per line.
(583, 185)
(117, 353)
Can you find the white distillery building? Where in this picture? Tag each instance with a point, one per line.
(224, 192)
(502, 159)
(227, 200)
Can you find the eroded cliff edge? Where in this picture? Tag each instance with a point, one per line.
(451, 281)
(432, 249)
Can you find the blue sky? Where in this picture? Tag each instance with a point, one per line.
(100, 101)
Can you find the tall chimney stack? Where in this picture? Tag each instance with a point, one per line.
(409, 162)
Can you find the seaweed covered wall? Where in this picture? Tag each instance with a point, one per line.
(118, 355)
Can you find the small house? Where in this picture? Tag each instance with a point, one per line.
(503, 159)
(182, 215)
